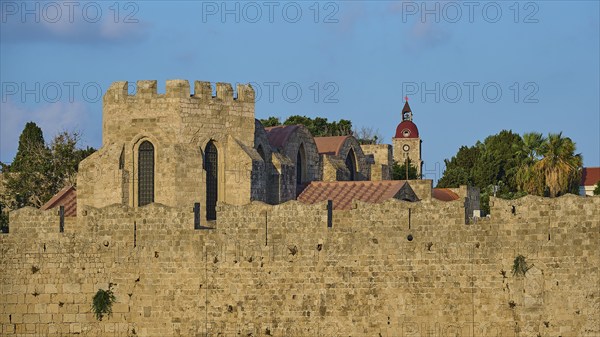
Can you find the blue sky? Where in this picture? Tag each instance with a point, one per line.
(469, 69)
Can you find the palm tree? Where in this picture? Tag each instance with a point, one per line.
(532, 146)
(528, 178)
(560, 166)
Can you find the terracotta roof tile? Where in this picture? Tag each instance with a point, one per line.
(590, 176)
(342, 193)
(278, 135)
(444, 194)
(66, 197)
(330, 145)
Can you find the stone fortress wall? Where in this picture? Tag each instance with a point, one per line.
(280, 271)
(390, 269)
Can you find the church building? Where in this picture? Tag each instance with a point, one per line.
(204, 149)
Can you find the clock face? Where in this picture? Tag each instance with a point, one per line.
(405, 133)
(406, 148)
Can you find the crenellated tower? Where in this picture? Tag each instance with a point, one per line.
(174, 148)
(406, 142)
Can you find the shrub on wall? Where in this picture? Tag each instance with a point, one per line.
(520, 266)
(102, 302)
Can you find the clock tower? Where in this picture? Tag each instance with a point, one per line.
(406, 142)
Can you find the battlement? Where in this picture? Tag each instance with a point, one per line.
(129, 108)
(363, 276)
(181, 89)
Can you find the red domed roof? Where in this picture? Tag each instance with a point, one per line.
(407, 129)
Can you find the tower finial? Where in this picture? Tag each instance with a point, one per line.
(406, 98)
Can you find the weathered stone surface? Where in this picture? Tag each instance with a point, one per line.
(414, 151)
(382, 155)
(390, 269)
(279, 271)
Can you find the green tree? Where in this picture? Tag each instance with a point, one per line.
(529, 179)
(597, 189)
(490, 165)
(271, 121)
(64, 159)
(318, 127)
(459, 169)
(487, 163)
(499, 160)
(560, 166)
(40, 171)
(31, 145)
(399, 171)
(303, 120)
(342, 128)
(25, 180)
(509, 166)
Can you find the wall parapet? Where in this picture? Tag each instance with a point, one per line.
(277, 270)
(178, 88)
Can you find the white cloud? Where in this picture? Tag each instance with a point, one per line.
(425, 35)
(71, 25)
(422, 33)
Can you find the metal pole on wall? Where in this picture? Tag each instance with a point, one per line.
(329, 213)
(61, 214)
(197, 215)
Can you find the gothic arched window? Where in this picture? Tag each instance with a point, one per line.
(145, 173)
(300, 165)
(351, 164)
(211, 157)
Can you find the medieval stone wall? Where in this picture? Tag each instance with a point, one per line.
(179, 124)
(382, 154)
(391, 269)
(333, 168)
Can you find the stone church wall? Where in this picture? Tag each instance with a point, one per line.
(382, 155)
(391, 269)
(179, 124)
(362, 169)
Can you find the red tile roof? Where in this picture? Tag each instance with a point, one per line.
(343, 192)
(444, 194)
(278, 135)
(590, 176)
(330, 145)
(413, 131)
(406, 108)
(66, 197)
